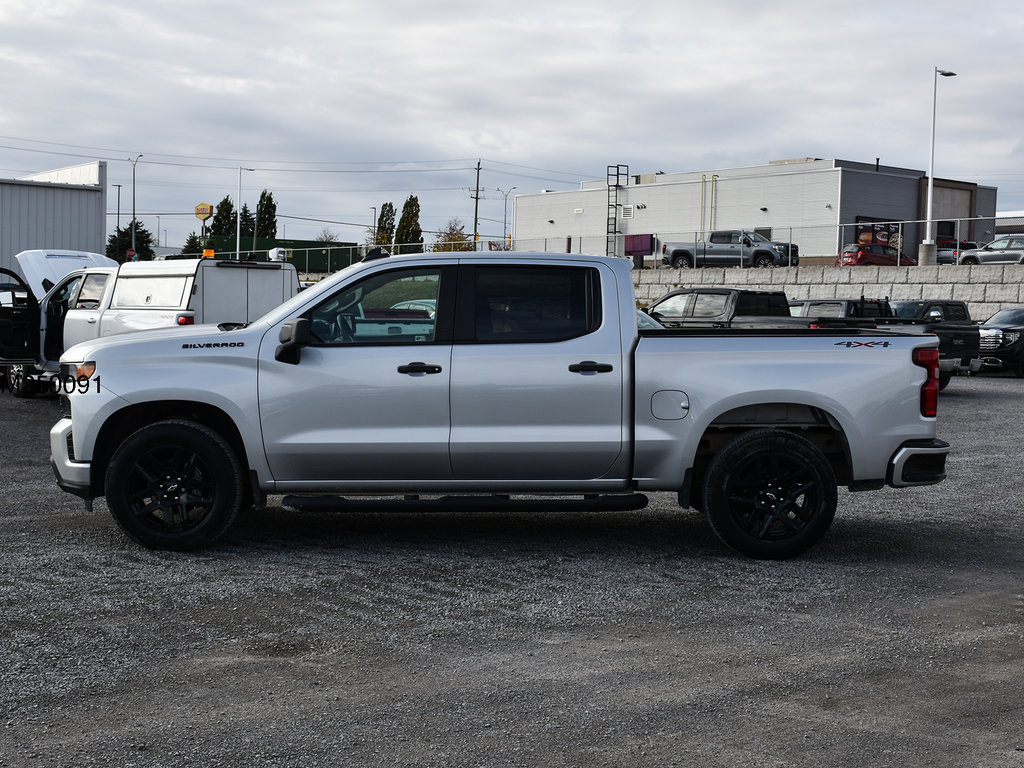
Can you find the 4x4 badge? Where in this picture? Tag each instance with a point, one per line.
(868, 344)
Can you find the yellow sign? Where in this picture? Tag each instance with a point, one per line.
(204, 211)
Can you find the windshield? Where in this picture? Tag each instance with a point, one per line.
(1014, 316)
(754, 237)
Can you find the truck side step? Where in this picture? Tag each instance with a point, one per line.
(496, 503)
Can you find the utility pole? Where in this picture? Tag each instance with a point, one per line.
(476, 206)
(118, 205)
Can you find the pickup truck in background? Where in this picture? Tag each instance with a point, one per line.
(104, 301)
(531, 377)
(724, 308)
(949, 320)
(730, 248)
(34, 297)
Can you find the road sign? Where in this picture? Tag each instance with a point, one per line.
(204, 211)
(131, 253)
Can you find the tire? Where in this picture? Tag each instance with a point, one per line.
(18, 381)
(770, 494)
(174, 485)
(681, 262)
(944, 380)
(969, 260)
(763, 260)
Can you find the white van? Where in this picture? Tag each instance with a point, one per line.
(103, 301)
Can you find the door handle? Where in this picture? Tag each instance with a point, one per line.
(419, 368)
(589, 366)
(91, 321)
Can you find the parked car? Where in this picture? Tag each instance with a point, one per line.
(950, 254)
(1008, 249)
(1002, 341)
(861, 255)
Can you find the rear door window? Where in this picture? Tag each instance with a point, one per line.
(535, 304)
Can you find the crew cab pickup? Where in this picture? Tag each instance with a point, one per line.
(530, 378)
(730, 248)
(103, 301)
(724, 308)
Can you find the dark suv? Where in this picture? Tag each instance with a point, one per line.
(1002, 341)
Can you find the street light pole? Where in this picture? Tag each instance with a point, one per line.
(238, 215)
(927, 249)
(133, 162)
(504, 221)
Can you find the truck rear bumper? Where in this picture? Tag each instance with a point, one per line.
(72, 476)
(956, 365)
(918, 462)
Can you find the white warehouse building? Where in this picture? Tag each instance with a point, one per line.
(819, 205)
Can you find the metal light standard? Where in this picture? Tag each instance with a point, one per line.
(118, 205)
(504, 221)
(927, 250)
(133, 162)
(238, 214)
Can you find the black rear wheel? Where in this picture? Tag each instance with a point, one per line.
(681, 262)
(174, 485)
(770, 494)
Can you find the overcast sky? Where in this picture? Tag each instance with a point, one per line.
(341, 106)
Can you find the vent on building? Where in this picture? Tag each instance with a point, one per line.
(578, 211)
(627, 211)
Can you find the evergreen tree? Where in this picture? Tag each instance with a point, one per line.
(453, 238)
(266, 215)
(248, 221)
(408, 235)
(119, 243)
(223, 221)
(386, 225)
(193, 245)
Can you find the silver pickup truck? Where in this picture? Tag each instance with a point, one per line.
(730, 248)
(507, 375)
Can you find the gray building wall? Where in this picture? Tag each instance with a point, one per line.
(47, 214)
(806, 201)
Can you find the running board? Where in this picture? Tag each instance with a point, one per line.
(499, 503)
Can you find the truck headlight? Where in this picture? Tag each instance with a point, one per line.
(1010, 337)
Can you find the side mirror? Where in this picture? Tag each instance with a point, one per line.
(935, 314)
(293, 337)
(746, 241)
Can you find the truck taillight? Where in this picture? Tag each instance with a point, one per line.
(929, 360)
(186, 320)
(664, 248)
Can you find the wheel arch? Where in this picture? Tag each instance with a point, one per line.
(119, 425)
(815, 424)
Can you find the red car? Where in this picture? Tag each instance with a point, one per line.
(857, 255)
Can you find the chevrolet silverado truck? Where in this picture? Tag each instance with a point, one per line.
(529, 379)
(730, 248)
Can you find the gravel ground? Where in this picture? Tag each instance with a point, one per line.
(566, 639)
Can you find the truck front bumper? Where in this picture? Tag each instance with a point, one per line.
(918, 462)
(72, 476)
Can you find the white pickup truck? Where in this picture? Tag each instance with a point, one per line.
(88, 300)
(508, 374)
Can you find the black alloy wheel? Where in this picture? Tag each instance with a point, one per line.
(174, 485)
(770, 494)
